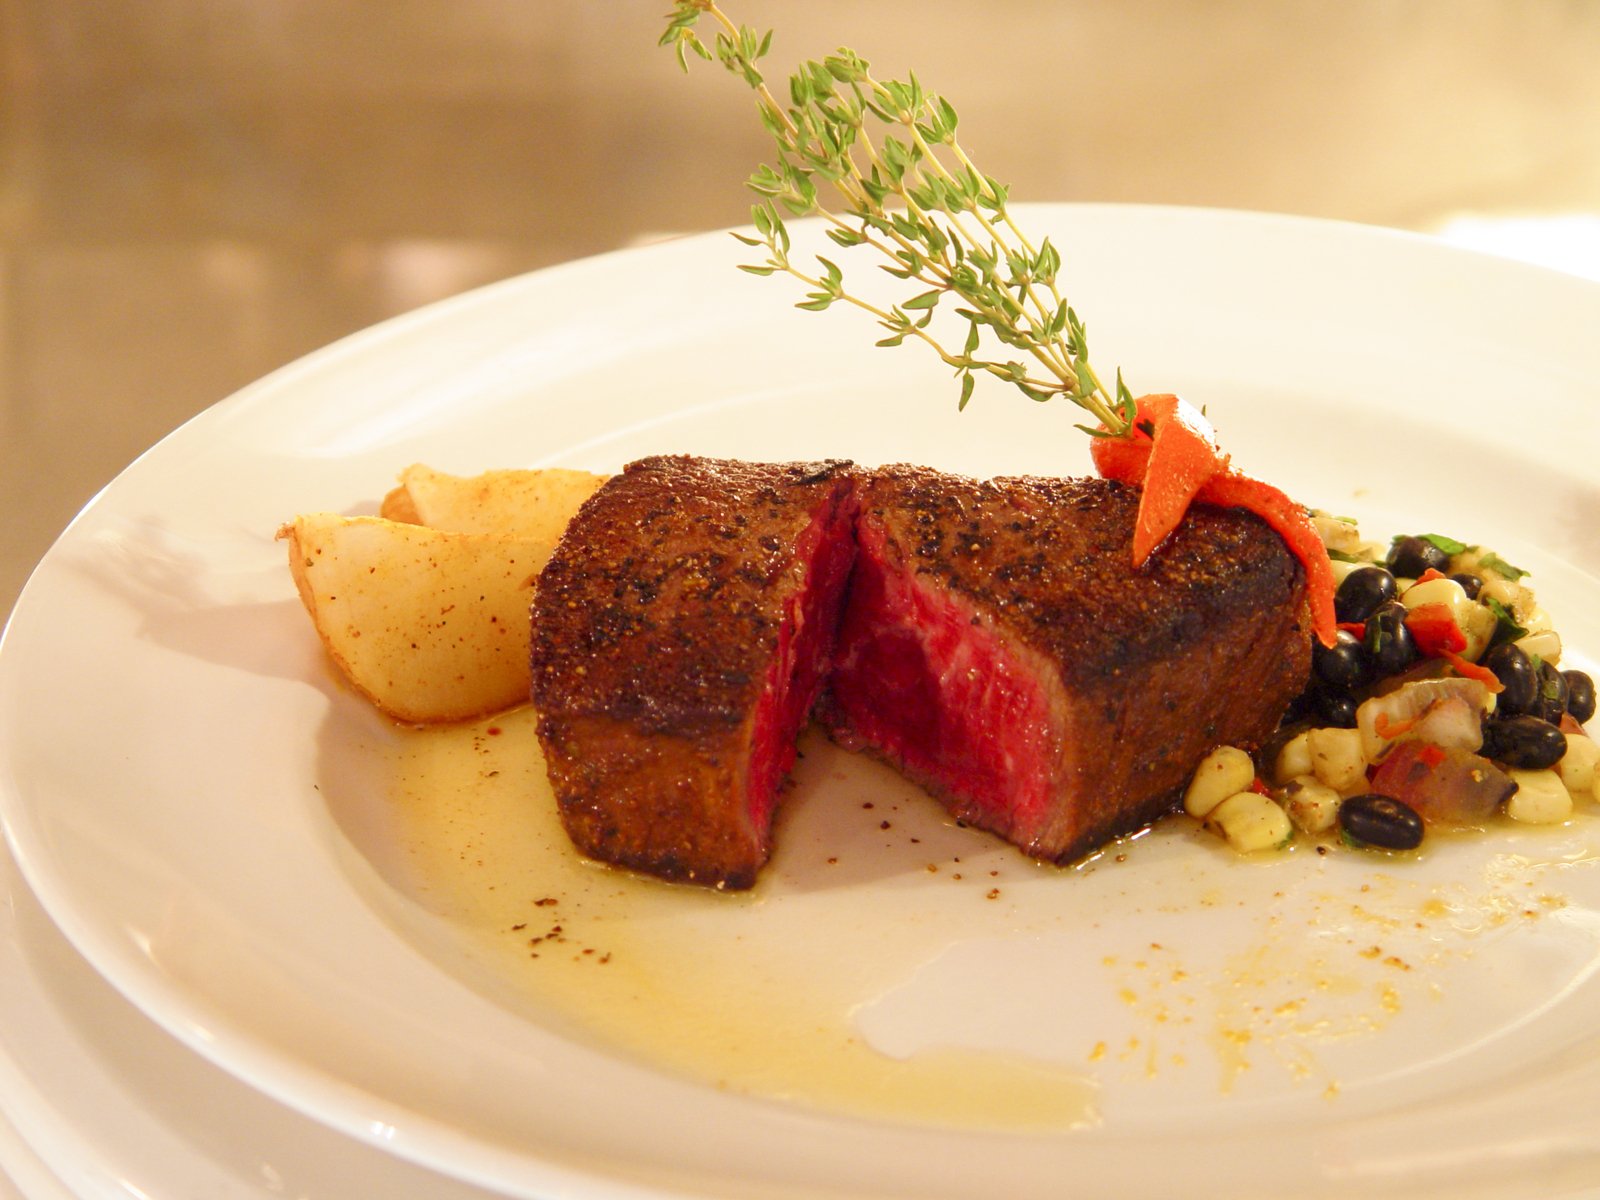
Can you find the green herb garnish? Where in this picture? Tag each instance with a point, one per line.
(1493, 562)
(1377, 638)
(1447, 545)
(1506, 628)
(915, 197)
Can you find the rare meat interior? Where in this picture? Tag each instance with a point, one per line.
(920, 678)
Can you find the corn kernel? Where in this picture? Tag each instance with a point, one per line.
(1540, 799)
(1436, 591)
(1579, 767)
(1546, 645)
(1311, 804)
(1251, 822)
(1224, 771)
(1478, 624)
(1337, 533)
(1336, 758)
(1294, 759)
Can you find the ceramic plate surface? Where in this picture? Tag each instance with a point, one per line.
(97, 1103)
(208, 815)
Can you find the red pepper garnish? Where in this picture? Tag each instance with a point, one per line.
(1358, 628)
(1435, 631)
(1290, 522)
(1183, 458)
(1430, 755)
(1173, 457)
(1472, 670)
(1389, 730)
(1122, 458)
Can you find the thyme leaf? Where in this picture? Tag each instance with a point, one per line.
(879, 161)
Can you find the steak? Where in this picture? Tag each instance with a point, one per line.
(1000, 649)
(994, 643)
(681, 633)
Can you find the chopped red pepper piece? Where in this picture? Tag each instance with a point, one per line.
(1472, 670)
(1435, 630)
(1389, 730)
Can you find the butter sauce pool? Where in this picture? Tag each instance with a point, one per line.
(679, 976)
(895, 967)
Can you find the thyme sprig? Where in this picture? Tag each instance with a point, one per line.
(914, 196)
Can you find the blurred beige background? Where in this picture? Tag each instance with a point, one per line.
(193, 192)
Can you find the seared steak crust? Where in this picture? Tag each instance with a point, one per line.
(1117, 681)
(680, 633)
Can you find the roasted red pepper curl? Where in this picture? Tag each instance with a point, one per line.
(1173, 456)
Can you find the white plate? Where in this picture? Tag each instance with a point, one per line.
(96, 1103)
(204, 812)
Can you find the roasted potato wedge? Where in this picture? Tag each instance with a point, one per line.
(397, 506)
(431, 626)
(425, 607)
(528, 504)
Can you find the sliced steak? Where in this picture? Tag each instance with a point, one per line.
(1000, 649)
(682, 630)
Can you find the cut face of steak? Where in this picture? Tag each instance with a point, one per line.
(682, 630)
(1000, 649)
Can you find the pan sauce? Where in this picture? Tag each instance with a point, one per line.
(669, 973)
(894, 966)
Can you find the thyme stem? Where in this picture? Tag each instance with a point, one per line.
(915, 197)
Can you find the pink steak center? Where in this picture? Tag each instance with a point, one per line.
(918, 678)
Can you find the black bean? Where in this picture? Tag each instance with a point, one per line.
(1362, 592)
(1373, 820)
(1302, 708)
(1409, 557)
(1580, 695)
(1389, 645)
(1552, 702)
(1515, 671)
(1341, 665)
(1470, 584)
(1336, 708)
(1524, 741)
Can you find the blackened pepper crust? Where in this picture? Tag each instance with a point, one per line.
(663, 601)
(1050, 559)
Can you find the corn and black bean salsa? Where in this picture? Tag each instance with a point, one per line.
(1441, 704)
